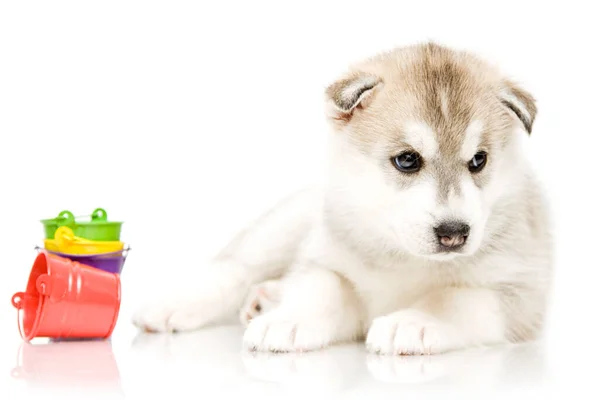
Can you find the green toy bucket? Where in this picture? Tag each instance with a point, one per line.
(97, 228)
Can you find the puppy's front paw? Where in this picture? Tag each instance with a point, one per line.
(273, 332)
(410, 332)
(172, 315)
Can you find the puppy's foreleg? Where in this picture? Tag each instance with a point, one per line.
(318, 308)
(450, 319)
(263, 251)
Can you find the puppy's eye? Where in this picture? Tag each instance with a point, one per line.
(407, 162)
(478, 162)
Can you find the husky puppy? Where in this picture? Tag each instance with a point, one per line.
(430, 233)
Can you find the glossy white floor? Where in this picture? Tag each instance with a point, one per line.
(133, 365)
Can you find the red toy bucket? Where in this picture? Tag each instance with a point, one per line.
(66, 299)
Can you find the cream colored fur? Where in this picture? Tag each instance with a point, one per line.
(357, 259)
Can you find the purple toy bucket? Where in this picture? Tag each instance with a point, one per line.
(109, 262)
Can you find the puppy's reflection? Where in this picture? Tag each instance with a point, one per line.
(216, 354)
(333, 369)
(205, 344)
(351, 367)
(211, 353)
(514, 365)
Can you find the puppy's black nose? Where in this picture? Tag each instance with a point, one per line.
(452, 235)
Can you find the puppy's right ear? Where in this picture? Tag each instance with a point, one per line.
(348, 94)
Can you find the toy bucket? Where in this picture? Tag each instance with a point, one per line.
(66, 242)
(97, 228)
(109, 262)
(66, 299)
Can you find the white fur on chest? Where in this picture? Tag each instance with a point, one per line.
(384, 291)
(381, 285)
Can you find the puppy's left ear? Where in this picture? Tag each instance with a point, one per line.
(520, 103)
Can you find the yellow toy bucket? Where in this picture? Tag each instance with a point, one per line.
(66, 242)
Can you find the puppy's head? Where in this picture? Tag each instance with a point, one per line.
(424, 144)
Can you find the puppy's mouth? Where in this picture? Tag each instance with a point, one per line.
(442, 253)
(445, 255)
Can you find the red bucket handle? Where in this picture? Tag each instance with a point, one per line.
(17, 302)
(46, 286)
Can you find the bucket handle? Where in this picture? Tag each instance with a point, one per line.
(65, 218)
(17, 302)
(51, 288)
(99, 215)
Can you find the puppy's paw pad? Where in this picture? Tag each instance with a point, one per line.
(409, 333)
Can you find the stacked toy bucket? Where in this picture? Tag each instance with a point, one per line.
(96, 242)
(74, 287)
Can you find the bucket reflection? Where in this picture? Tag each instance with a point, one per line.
(69, 364)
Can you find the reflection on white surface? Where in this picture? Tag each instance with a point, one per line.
(336, 368)
(213, 360)
(501, 366)
(215, 355)
(75, 366)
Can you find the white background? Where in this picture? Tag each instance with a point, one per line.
(187, 119)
